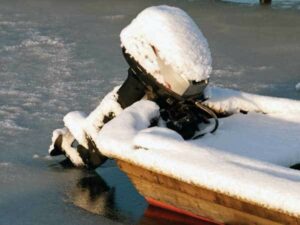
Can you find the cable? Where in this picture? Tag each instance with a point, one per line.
(210, 113)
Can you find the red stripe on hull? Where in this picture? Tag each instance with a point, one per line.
(177, 214)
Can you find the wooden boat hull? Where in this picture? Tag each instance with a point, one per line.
(201, 202)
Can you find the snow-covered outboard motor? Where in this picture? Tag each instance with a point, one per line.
(179, 100)
(170, 63)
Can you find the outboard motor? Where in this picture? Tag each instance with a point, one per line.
(169, 63)
(179, 100)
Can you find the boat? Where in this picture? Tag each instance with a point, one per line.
(200, 203)
(238, 175)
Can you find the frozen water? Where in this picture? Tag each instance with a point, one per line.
(61, 56)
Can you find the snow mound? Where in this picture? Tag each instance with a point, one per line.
(169, 34)
(129, 118)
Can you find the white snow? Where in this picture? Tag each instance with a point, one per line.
(239, 159)
(5, 164)
(297, 86)
(11, 125)
(66, 145)
(48, 157)
(108, 105)
(130, 117)
(35, 156)
(74, 121)
(80, 127)
(231, 101)
(169, 34)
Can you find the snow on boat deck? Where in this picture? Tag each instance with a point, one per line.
(244, 159)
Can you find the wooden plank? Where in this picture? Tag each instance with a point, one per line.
(203, 202)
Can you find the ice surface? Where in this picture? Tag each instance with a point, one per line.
(170, 34)
(239, 159)
(39, 84)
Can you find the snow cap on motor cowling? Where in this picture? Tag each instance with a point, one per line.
(168, 44)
